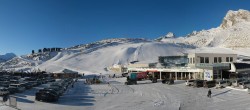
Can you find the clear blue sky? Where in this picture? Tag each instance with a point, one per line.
(32, 24)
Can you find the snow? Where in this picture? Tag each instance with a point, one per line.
(144, 96)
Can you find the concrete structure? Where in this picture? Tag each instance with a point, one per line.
(196, 59)
(212, 64)
(206, 66)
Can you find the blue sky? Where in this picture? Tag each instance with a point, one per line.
(27, 25)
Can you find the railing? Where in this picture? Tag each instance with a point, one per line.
(213, 65)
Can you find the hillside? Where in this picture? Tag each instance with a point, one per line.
(232, 36)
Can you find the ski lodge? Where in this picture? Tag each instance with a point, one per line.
(205, 66)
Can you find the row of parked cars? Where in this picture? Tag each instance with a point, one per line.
(241, 83)
(54, 91)
(200, 83)
(16, 84)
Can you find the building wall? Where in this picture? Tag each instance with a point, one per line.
(138, 66)
(196, 57)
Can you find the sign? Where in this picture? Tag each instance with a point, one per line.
(208, 75)
(13, 102)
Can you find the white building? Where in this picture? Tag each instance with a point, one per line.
(206, 66)
(212, 64)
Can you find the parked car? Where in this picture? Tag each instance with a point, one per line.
(4, 83)
(12, 90)
(19, 87)
(46, 96)
(50, 90)
(198, 83)
(27, 85)
(3, 91)
(222, 84)
(209, 84)
(189, 82)
(168, 81)
(244, 84)
(124, 74)
(235, 83)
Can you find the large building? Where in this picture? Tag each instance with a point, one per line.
(213, 64)
(208, 66)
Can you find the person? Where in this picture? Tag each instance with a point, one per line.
(5, 97)
(114, 76)
(209, 93)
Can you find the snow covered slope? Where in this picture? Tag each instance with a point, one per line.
(232, 36)
(97, 58)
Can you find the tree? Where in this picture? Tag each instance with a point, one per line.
(33, 51)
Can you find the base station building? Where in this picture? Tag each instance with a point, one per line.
(207, 66)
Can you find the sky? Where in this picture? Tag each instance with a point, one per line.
(27, 25)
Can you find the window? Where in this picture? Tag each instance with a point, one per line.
(231, 59)
(190, 60)
(206, 60)
(215, 60)
(193, 60)
(201, 59)
(227, 59)
(219, 60)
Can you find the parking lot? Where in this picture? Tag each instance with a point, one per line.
(143, 96)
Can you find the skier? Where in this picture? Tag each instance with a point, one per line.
(209, 93)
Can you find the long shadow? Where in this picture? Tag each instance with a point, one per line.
(78, 96)
(29, 92)
(24, 100)
(221, 93)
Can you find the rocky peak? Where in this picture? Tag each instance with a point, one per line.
(170, 35)
(234, 17)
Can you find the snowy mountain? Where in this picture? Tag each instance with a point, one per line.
(169, 35)
(6, 57)
(234, 32)
(232, 36)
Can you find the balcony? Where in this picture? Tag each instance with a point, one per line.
(214, 66)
